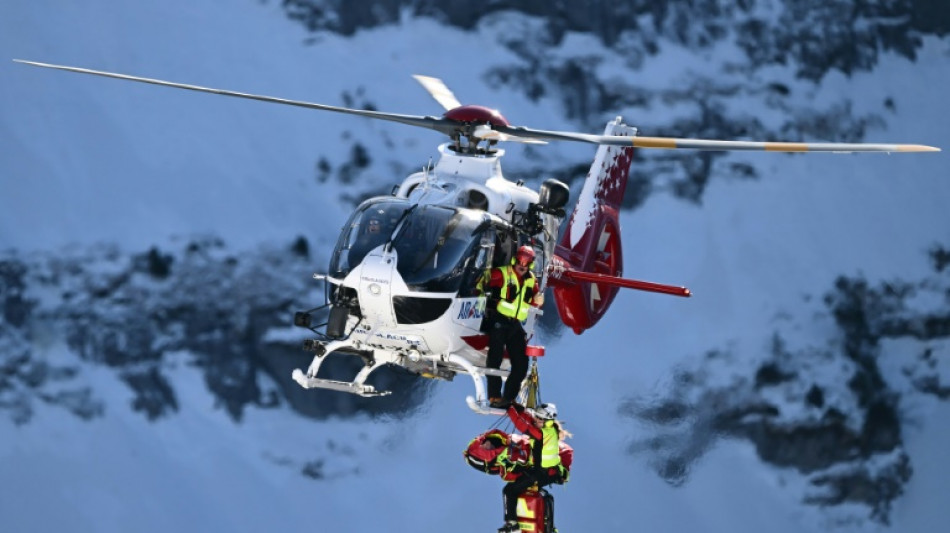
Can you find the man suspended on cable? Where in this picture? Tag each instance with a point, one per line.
(543, 465)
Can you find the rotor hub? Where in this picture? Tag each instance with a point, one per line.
(476, 114)
(470, 120)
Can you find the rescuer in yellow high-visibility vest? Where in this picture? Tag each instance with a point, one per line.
(512, 293)
(544, 464)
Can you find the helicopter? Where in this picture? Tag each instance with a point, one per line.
(402, 286)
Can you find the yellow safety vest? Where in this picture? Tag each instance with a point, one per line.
(516, 308)
(550, 447)
(550, 451)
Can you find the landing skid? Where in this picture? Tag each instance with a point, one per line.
(365, 391)
(529, 396)
(451, 365)
(483, 408)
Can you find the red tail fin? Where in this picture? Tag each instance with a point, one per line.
(587, 265)
(591, 241)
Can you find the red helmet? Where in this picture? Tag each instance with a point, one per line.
(525, 255)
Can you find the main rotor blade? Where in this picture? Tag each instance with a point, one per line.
(705, 144)
(487, 133)
(439, 91)
(451, 128)
(435, 123)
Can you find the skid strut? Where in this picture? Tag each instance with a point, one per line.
(309, 380)
(529, 396)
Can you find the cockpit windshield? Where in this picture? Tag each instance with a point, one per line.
(371, 225)
(438, 246)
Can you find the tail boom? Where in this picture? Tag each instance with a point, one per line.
(625, 283)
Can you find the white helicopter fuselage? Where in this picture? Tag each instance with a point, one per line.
(455, 332)
(451, 342)
(459, 179)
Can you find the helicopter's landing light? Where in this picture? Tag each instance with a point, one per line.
(343, 386)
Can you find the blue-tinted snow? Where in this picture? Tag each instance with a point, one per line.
(88, 160)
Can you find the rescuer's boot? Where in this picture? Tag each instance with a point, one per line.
(499, 403)
(510, 527)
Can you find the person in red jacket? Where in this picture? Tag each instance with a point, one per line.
(543, 466)
(512, 291)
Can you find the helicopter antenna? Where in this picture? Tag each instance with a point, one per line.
(425, 175)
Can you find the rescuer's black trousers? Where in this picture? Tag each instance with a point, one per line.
(517, 487)
(507, 333)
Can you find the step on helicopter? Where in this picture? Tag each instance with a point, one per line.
(402, 283)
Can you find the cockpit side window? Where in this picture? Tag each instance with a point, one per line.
(422, 237)
(478, 264)
(366, 234)
(435, 246)
(505, 247)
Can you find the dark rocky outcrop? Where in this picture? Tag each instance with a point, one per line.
(830, 413)
(136, 315)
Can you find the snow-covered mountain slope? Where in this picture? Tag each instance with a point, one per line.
(154, 242)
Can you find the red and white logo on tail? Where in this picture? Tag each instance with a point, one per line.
(591, 242)
(605, 184)
(586, 270)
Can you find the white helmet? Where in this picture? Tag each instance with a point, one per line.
(546, 411)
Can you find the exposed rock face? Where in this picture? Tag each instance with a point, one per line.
(810, 30)
(829, 412)
(557, 58)
(136, 315)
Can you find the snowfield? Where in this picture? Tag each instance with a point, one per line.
(88, 162)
